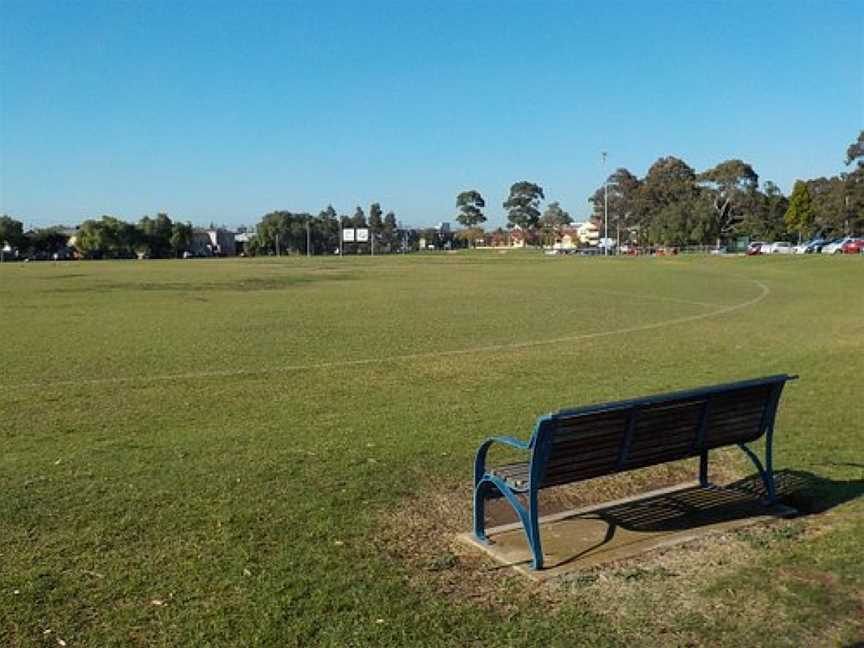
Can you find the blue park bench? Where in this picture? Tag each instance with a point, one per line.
(578, 444)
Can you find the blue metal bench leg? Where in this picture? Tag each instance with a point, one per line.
(533, 529)
(480, 511)
(703, 468)
(766, 472)
(528, 518)
(768, 477)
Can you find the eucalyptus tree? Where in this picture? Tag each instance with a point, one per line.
(667, 200)
(470, 205)
(854, 185)
(523, 205)
(733, 185)
(623, 195)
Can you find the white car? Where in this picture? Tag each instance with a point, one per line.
(834, 246)
(779, 247)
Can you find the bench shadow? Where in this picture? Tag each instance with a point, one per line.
(691, 508)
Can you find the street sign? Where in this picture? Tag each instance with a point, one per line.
(348, 235)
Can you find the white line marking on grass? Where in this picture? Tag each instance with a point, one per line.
(221, 373)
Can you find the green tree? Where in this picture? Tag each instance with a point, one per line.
(523, 204)
(765, 221)
(682, 222)
(623, 201)
(11, 232)
(108, 237)
(273, 231)
(855, 152)
(733, 185)
(668, 187)
(853, 199)
(828, 199)
(359, 218)
(376, 222)
(154, 236)
(554, 218)
(284, 232)
(669, 180)
(390, 233)
(46, 240)
(181, 238)
(326, 230)
(470, 205)
(376, 225)
(800, 215)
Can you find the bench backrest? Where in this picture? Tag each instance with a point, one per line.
(578, 444)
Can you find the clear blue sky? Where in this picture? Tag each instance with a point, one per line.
(222, 111)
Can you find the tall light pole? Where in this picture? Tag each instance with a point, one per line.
(605, 208)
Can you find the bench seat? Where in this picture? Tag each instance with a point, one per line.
(514, 475)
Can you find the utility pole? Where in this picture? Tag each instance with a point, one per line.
(308, 241)
(605, 209)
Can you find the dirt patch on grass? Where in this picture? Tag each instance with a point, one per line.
(715, 590)
(721, 584)
(421, 535)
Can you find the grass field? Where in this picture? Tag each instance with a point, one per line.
(223, 452)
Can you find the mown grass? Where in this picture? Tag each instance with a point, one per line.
(190, 458)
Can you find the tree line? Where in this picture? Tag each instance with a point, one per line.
(674, 205)
(105, 238)
(285, 232)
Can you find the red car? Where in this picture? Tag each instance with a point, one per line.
(755, 248)
(855, 246)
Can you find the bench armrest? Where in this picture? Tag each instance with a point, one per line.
(480, 459)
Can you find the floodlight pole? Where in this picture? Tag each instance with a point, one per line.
(605, 209)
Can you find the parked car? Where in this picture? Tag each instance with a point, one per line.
(755, 248)
(855, 246)
(829, 246)
(779, 247)
(810, 247)
(834, 246)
